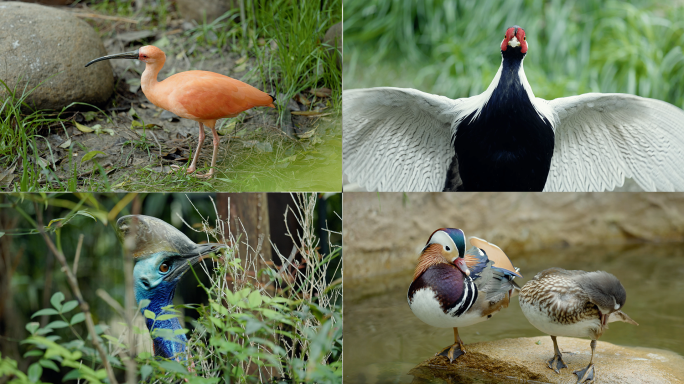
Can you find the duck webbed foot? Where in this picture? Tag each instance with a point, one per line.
(586, 375)
(556, 363)
(455, 350)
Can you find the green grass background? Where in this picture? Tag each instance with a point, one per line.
(451, 48)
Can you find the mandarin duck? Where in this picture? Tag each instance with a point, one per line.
(162, 255)
(453, 288)
(573, 304)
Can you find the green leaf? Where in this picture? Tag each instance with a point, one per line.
(167, 317)
(69, 305)
(34, 372)
(32, 327)
(173, 366)
(57, 324)
(77, 318)
(46, 311)
(49, 364)
(149, 314)
(72, 375)
(255, 299)
(33, 352)
(56, 300)
(90, 155)
(181, 331)
(145, 371)
(86, 214)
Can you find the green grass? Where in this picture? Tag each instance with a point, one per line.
(452, 47)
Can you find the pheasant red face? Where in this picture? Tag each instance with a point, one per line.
(515, 37)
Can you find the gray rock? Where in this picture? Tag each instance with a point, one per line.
(196, 9)
(42, 44)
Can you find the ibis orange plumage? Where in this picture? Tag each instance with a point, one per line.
(201, 96)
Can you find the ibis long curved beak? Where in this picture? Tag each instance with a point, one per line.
(126, 55)
(202, 252)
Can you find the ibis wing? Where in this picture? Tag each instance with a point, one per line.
(603, 138)
(397, 139)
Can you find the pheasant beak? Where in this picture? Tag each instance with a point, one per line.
(513, 42)
(460, 263)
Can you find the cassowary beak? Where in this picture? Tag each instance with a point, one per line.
(203, 251)
(126, 55)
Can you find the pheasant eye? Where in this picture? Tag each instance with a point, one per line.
(164, 267)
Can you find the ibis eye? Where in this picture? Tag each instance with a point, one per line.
(164, 267)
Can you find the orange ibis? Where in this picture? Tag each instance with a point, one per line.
(201, 96)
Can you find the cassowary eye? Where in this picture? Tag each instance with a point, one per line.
(164, 267)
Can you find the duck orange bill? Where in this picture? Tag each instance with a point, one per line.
(495, 254)
(126, 55)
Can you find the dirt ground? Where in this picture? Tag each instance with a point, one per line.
(139, 146)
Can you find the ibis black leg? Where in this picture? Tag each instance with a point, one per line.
(557, 362)
(586, 375)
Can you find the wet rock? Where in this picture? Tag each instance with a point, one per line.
(196, 9)
(333, 37)
(39, 42)
(524, 360)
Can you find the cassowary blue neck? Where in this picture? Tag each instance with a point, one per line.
(152, 285)
(165, 344)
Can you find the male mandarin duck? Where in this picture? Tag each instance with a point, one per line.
(573, 304)
(453, 288)
(162, 254)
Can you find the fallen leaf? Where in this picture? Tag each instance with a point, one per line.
(83, 128)
(302, 99)
(89, 116)
(7, 176)
(311, 113)
(91, 155)
(133, 113)
(241, 60)
(307, 134)
(66, 144)
(321, 92)
(42, 162)
(240, 68)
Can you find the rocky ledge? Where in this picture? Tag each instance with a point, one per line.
(524, 360)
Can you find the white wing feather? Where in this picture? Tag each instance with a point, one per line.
(397, 139)
(601, 138)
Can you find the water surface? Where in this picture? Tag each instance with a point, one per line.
(384, 340)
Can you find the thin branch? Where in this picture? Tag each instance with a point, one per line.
(78, 253)
(73, 283)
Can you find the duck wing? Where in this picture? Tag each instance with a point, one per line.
(495, 280)
(601, 138)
